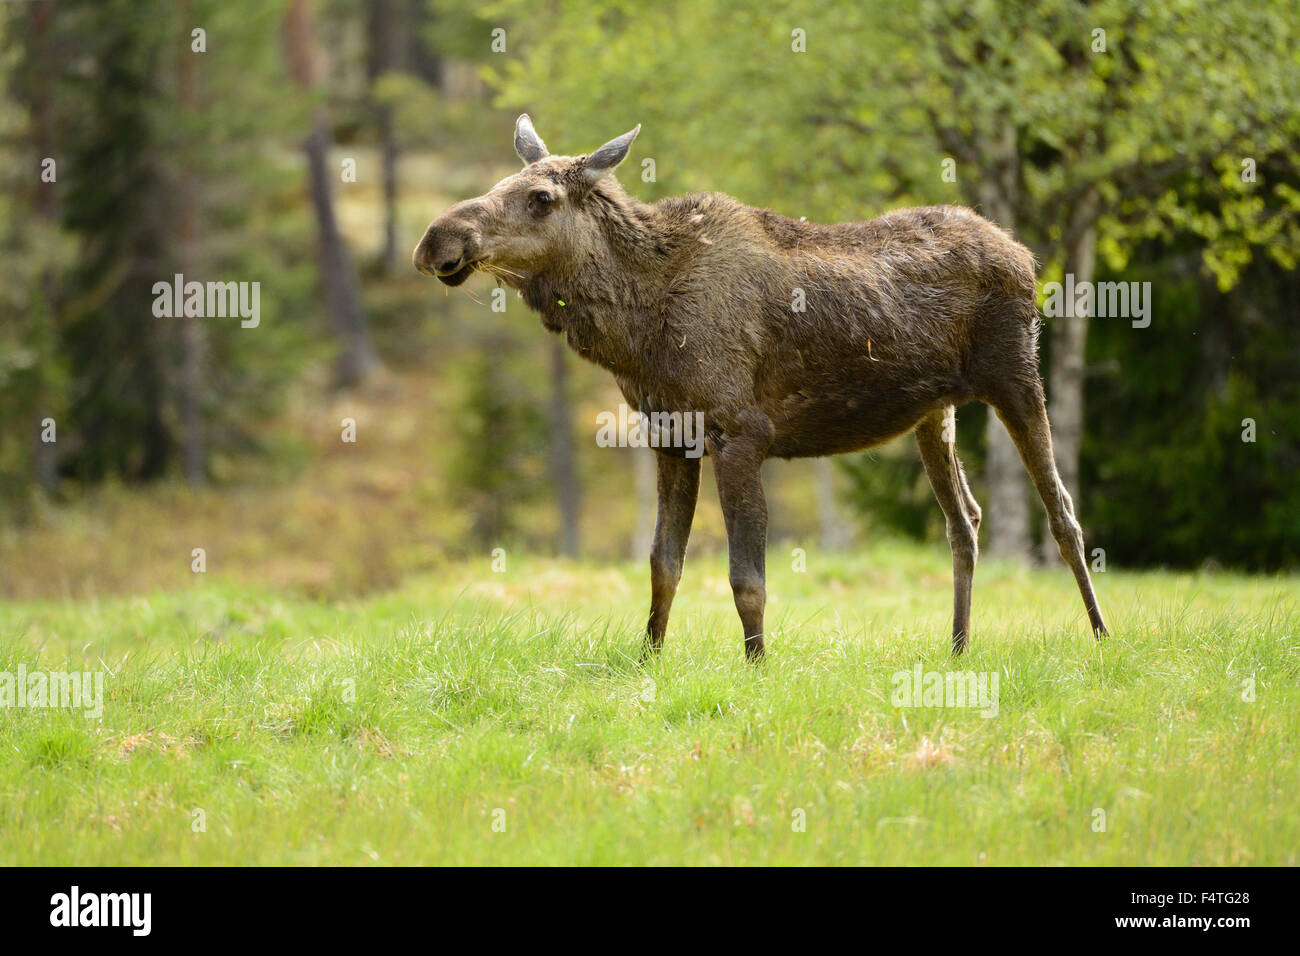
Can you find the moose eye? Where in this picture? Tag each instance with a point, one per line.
(541, 201)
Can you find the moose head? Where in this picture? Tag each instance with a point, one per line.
(531, 221)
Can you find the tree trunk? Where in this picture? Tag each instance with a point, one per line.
(42, 63)
(834, 535)
(1007, 511)
(389, 255)
(1069, 341)
(342, 291)
(420, 54)
(1007, 514)
(386, 58)
(564, 474)
(191, 372)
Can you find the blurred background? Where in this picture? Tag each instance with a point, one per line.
(305, 144)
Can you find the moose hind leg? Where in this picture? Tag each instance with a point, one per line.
(679, 487)
(973, 511)
(936, 442)
(1025, 416)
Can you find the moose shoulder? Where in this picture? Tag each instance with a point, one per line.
(792, 338)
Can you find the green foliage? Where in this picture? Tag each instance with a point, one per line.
(889, 491)
(88, 351)
(112, 202)
(460, 29)
(32, 372)
(1168, 476)
(501, 430)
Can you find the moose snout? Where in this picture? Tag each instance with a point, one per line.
(448, 250)
(439, 252)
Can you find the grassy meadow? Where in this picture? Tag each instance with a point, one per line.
(473, 716)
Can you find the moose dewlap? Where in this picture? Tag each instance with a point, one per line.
(790, 338)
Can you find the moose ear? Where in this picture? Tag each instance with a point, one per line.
(528, 144)
(603, 160)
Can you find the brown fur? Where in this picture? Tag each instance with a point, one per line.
(689, 302)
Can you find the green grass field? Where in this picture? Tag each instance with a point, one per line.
(473, 717)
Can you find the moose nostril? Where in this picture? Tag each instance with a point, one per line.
(449, 266)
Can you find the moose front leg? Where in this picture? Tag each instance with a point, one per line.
(738, 454)
(679, 486)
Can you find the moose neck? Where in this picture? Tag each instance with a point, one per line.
(600, 297)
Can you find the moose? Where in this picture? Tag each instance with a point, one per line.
(795, 339)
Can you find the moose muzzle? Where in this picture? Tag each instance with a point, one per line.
(448, 250)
